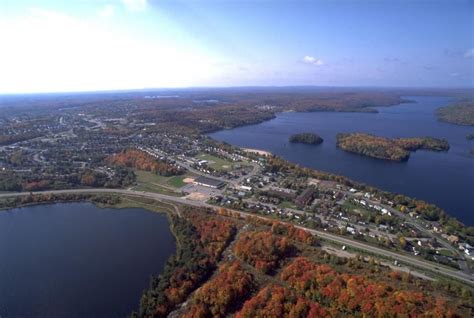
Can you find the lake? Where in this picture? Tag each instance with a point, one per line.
(78, 260)
(445, 179)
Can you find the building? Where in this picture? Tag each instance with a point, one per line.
(305, 197)
(209, 182)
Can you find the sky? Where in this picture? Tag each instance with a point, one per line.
(89, 45)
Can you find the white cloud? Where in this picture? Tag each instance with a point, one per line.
(107, 11)
(312, 60)
(52, 51)
(469, 54)
(135, 5)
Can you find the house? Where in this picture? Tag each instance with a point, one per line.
(350, 230)
(453, 239)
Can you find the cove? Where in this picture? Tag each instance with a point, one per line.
(78, 260)
(445, 179)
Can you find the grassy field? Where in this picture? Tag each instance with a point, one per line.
(355, 209)
(137, 202)
(148, 181)
(287, 205)
(446, 252)
(216, 162)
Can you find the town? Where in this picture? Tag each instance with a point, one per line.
(71, 148)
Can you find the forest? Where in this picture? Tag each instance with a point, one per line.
(306, 138)
(140, 160)
(397, 149)
(461, 113)
(271, 269)
(201, 242)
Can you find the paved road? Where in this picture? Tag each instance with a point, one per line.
(410, 260)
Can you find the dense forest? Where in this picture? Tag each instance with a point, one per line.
(140, 160)
(397, 149)
(306, 138)
(201, 243)
(250, 267)
(461, 113)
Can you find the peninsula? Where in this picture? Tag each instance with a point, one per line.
(306, 138)
(397, 149)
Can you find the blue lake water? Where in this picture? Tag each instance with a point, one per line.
(446, 179)
(77, 260)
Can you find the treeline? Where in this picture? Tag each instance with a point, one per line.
(44, 198)
(201, 241)
(12, 181)
(137, 159)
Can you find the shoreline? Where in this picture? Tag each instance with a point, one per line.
(258, 151)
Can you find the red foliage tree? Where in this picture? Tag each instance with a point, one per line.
(262, 249)
(276, 301)
(231, 285)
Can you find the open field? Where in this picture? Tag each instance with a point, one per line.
(354, 209)
(148, 181)
(216, 162)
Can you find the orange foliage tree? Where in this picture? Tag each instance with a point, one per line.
(276, 301)
(137, 159)
(229, 287)
(262, 249)
(356, 294)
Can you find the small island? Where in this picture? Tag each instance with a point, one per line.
(306, 138)
(470, 136)
(397, 149)
(461, 113)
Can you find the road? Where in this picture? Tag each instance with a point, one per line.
(407, 259)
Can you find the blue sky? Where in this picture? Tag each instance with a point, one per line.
(125, 44)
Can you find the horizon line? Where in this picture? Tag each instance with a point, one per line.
(151, 89)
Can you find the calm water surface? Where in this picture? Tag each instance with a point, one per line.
(77, 260)
(446, 179)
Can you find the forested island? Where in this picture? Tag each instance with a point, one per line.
(397, 149)
(306, 138)
(460, 114)
(470, 137)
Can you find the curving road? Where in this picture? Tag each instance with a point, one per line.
(407, 259)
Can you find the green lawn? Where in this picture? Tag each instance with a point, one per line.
(287, 205)
(148, 181)
(445, 252)
(216, 162)
(355, 209)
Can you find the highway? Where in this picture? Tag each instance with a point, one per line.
(406, 259)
